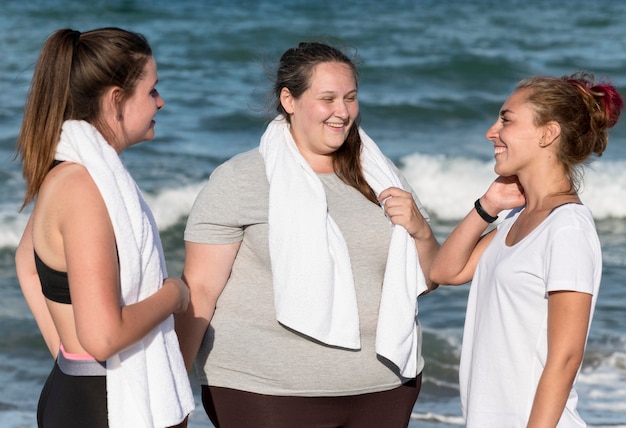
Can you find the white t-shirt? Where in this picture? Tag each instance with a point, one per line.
(505, 337)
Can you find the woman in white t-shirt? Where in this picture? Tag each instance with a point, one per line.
(535, 277)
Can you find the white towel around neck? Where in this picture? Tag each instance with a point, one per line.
(147, 383)
(313, 285)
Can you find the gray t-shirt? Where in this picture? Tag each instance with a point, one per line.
(245, 348)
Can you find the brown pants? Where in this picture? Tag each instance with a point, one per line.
(231, 408)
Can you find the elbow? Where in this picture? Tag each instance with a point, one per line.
(438, 277)
(567, 364)
(435, 276)
(98, 346)
(572, 362)
(440, 274)
(102, 357)
(100, 353)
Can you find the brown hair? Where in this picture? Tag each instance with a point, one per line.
(294, 72)
(585, 110)
(73, 71)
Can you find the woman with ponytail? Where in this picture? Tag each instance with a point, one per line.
(90, 261)
(535, 277)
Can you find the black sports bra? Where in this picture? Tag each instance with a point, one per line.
(54, 284)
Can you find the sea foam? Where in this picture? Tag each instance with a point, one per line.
(446, 186)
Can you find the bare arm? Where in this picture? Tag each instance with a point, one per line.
(207, 269)
(31, 288)
(103, 327)
(568, 321)
(401, 208)
(458, 257)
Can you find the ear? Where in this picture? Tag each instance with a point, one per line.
(287, 100)
(551, 132)
(111, 103)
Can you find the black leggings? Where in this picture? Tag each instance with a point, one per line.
(72, 401)
(230, 408)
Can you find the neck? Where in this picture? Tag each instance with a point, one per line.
(543, 191)
(320, 164)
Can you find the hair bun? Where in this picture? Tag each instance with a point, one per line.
(610, 100)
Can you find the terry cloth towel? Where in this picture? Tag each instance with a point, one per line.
(147, 383)
(313, 285)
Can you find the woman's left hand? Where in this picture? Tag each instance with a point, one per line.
(401, 209)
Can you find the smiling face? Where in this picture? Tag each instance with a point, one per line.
(138, 111)
(515, 136)
(321, 118)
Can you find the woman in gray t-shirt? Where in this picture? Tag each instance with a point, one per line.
(303, 289)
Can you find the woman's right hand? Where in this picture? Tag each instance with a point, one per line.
(183, 292)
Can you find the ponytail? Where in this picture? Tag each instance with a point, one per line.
(45, 109)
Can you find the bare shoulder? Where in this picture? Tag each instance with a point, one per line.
(69, 185)
(68, 175)
(69, 205)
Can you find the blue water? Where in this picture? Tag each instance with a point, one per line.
(433, 77)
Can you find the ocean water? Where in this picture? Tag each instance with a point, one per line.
(433, 77)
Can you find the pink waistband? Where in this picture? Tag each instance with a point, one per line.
(75, 357)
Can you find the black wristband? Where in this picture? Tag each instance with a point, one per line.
(482, 213)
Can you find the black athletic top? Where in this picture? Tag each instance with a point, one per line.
(54, 284)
